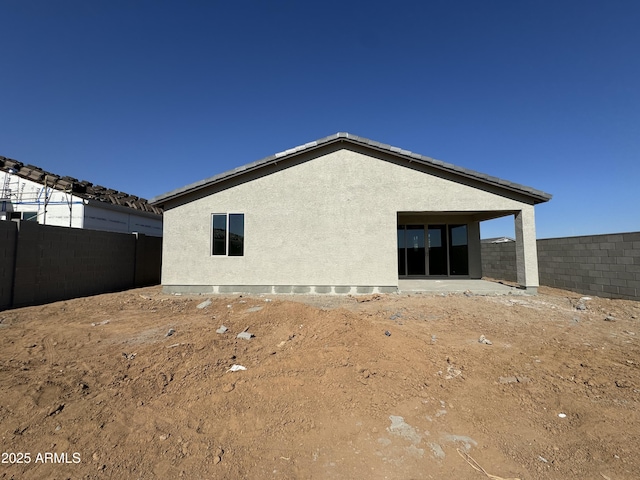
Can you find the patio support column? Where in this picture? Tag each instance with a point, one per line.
(526, 250)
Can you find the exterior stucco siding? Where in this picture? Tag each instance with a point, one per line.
(526, 250)
(328, 221)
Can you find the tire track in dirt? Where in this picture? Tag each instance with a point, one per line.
(49, 350)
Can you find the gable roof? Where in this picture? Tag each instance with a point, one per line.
(537, 196)
(82, 189)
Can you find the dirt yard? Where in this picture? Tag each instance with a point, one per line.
(374, 387)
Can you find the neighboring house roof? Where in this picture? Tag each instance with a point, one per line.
(498, 240)
(536, 195)
(82, 189)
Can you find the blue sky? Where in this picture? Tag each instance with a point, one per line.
(148, 96)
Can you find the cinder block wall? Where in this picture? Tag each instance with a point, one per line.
(48, 263)
(499, 261)
(8, 232)
(55, 263)
(602, 265)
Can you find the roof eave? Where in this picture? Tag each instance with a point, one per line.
(120, 208)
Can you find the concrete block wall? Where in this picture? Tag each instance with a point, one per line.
(8, 233)
(603, 265)
(57, 263)
(499, 261)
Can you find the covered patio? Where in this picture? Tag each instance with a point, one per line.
(444, 247)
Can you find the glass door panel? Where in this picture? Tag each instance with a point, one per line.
(458, 250)
(402, 259)
(411, 250)
(415, 247)
(437, 238)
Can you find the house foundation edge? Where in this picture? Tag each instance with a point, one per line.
(279, 289)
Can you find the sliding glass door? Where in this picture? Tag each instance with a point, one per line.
(441, 250)
(411, 250)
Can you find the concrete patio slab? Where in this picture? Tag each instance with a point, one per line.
(448, 285)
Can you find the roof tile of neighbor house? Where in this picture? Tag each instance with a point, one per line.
(80, 188)
(497, 240)
(537, 196)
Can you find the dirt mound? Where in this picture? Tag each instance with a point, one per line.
(139, 385)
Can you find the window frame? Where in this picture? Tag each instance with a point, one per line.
(227, 236)
(27, 216)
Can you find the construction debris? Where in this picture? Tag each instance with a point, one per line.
(236, 368)
(204, 304)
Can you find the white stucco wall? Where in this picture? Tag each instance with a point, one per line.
(329, 221)
(112, 220)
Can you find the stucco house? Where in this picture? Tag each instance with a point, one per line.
(342, 214)
(30, 193)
